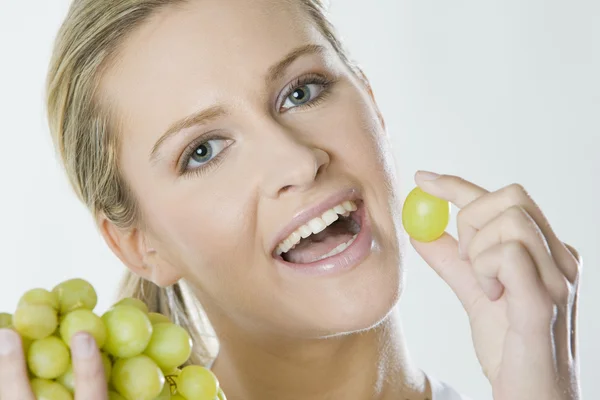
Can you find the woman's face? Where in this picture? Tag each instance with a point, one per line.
(258, 138)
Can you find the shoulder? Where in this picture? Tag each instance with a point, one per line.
(442, 391)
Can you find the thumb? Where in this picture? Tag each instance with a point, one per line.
(442, 256)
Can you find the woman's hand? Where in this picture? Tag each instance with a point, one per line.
(90, 383)
(518, 283)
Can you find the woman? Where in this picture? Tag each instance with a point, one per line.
(230, 151)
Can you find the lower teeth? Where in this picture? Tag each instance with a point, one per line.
(338, 249)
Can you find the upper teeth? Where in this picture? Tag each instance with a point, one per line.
(316, 225)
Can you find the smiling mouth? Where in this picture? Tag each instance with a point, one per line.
(323, 237)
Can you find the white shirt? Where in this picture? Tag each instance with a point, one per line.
(441, 391)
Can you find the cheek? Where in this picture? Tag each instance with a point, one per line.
(355, 135)
(200, 233)
(351, 129)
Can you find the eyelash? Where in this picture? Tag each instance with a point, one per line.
(187, 155)
(297, 83)
(307, 80)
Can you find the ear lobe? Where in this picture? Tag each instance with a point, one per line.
(363, 77)
(130, 246)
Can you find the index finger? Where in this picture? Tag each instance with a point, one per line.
(14, 382)
(90, 382)
(454, 189)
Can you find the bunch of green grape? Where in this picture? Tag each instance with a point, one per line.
(142, 351)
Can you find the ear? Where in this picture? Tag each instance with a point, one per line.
(131, 246)
(363, 77)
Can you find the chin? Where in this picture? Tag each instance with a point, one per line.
(358, 302)
(365, 307)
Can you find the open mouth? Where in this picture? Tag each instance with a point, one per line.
(323, 237)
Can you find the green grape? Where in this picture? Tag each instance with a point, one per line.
(35, 321)
(68, 379)
(198, 383)
(48, 390)
(83, 320)
(156, 318)
(74, 294)
(107, 365)
(5, 320)
(48, 358)
(138, 378)
(177, 397)
(115, 396)
(425, 217)
(39, 296)
(221, 395)
(128, 331)
(131, 301)
(170, 346)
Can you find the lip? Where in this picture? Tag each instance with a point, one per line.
(302, 217)
(352, 256)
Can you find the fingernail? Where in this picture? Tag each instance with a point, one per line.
(8, 342)
(428, 176)
(82, 345)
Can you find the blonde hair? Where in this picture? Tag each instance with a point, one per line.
(85, 134)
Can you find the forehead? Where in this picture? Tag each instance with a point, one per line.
(186, 58)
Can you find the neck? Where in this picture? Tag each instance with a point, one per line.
(371, 365)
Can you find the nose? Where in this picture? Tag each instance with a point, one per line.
(290, 164)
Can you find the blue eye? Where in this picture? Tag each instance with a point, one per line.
(303, 95)
(205, 152)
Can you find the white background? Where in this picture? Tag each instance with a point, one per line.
(496, 91)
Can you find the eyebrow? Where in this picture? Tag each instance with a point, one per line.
(277, 70)
(205, 116)
(199, 118)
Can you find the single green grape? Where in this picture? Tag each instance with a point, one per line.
(425, 217)
(170, 346)
(138, 378)
(131, 301)
(48, 358)
(83, 320)
(68, 379)
(35, 321)
(39, 296)
(5, 320)
(128, 331)
(44, 389)
(74, 294)
(115, 396)
(156, 318)
(177, 397)
(198, 383)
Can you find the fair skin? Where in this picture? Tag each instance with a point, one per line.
(289, 336)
